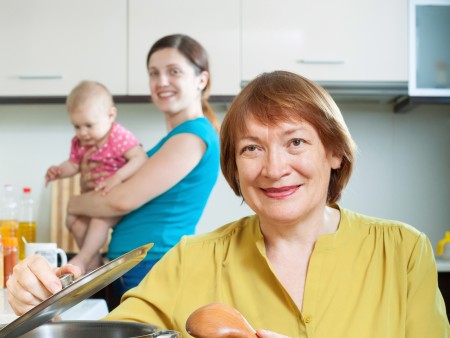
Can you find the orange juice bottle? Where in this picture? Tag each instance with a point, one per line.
(10, 256)
(27, 224)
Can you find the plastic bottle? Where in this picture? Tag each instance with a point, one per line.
(443, 247)
(10, 256)
(2, 275)
(8, 215)
(27, 223)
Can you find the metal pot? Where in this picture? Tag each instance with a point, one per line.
(97, 329)
(35, 323)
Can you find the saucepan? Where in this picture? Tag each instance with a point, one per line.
(97, 329)
(36, 322)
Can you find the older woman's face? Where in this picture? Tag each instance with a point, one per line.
(284, 171)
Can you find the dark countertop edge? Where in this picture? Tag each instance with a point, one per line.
(117, 99)
(401, 103)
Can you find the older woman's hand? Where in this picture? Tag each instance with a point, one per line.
(269, 334)
(88, 176)
(34, 280)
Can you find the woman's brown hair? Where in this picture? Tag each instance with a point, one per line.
(197, 56)
(281, 96)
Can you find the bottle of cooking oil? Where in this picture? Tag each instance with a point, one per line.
(8, 215)
(2, 276)
(27, 222)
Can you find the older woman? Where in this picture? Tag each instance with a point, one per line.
(301, 266)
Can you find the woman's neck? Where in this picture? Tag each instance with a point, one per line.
(177, 118)
(305, 232)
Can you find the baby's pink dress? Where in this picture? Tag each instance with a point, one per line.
(111, 154)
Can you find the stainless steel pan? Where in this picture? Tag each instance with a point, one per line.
(30, 323)
(98, 329)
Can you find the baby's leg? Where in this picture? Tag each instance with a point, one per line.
(94, 239)
(78, 227)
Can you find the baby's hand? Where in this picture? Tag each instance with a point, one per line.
(52, 174)
(106, 185)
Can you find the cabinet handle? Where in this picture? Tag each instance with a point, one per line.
(321, 62)
(40, 76)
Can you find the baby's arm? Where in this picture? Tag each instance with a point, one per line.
(65, 169)
(136, 157)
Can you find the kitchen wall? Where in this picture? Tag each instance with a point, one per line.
(402, 170)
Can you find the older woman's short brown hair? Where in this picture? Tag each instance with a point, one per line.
(282, 96)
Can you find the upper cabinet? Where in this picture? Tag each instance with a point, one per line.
(327, 40)
(213, 23)
(48, 46)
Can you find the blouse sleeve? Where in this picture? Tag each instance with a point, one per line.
(426, 315)
(153, 300)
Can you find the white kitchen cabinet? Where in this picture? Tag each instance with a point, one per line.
(214, 23)
(328, 40)
(48, 46)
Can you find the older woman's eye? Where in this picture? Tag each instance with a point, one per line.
(297, 142)
(152, 74)
(249, 149)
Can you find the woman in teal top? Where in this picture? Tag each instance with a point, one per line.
(165, 199)
(171, 214)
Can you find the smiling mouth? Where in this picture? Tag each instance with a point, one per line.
(281, 192)
(166, 95)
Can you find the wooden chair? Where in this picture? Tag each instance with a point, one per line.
(62, 190)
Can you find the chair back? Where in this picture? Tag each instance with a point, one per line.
(62, 190)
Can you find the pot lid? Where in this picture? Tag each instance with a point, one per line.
(77, 291)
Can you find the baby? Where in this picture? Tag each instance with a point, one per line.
(92, 113)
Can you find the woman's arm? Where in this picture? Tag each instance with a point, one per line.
(136, 157)
(88, 176)
(426, 315)
(176, 158)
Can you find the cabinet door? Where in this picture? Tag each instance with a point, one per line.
(213, 23)
(346, 40)
(48, 46)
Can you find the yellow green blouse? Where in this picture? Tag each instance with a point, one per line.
(371, 278)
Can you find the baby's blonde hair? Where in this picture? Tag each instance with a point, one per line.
(88, 93)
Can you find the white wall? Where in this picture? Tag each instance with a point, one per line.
(402, 169)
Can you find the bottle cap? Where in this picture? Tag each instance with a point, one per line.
(26, 189)
(10, 241)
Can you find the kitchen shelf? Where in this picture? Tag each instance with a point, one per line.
(406, 103)
(117, 99)
(395, 93)
(442, 265)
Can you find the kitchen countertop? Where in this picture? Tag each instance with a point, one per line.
(88, 309)
(443, 265)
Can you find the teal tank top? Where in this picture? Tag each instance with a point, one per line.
(166, 218)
